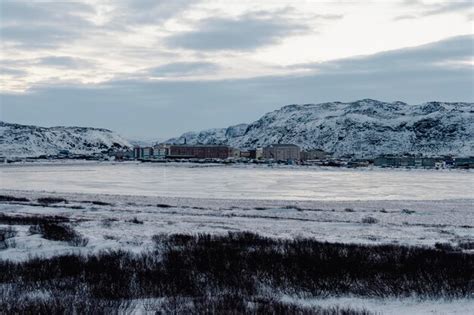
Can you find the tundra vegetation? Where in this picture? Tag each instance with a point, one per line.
(233, 273)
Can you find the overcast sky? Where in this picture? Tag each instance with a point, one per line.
(157, 68)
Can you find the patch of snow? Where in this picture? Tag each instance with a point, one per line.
(407, 306)
(109, 227)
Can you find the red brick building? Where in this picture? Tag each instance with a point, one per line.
(202, 151)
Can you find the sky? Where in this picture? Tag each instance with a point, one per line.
(153, 69)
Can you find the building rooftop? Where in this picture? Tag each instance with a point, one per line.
(201, 145)
(283, 145)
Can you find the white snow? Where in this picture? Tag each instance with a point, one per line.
(324, 204)
(29, 141)
(447, 221)
(240, 182)
(406, 306)
(365, 128)
(387, 306)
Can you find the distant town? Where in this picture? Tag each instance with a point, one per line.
(286, 154)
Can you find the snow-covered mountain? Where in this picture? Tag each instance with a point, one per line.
(364, 128)
(211, 136)
(29, 141)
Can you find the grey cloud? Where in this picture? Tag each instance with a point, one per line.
(12, 71)
(50, 61)
(429, 56)
(183, 69)
(429, 9)
(30, 11)
(36, 36)
(328, 16)
(405, 17)
(63, 62)
(290, 12)
(42, 24)
(148, 11)
(246, 32)
(448, 7)
(164, 108)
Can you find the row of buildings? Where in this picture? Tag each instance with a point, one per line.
(287, 153)
(277, 152)
(163, 151)
(424, 162)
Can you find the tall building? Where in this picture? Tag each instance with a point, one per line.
(282, 152)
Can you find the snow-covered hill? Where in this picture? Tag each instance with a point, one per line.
(29, 141)
(211, 136)
(364, 128)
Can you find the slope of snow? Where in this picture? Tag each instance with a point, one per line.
(211, 136)
(364, 128)
(28, 141)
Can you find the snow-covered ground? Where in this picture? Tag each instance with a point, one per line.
(405, 306)
(410, 207)
(414, 207)
(392, 306)
(108, 226)
(240, 182)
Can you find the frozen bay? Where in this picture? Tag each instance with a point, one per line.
(241, 182)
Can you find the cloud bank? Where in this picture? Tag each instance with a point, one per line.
(144, 107)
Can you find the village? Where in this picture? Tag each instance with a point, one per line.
(289, 154)
(274, 154)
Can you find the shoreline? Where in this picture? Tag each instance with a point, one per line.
(191, 164)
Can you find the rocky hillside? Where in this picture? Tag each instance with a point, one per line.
(364, 128)
(29, 141)
(211, 136)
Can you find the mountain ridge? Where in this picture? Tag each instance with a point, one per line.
(30, 141)
(364, 128)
